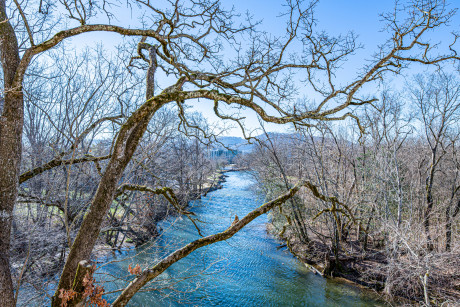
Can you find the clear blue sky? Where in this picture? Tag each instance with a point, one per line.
(334, 16)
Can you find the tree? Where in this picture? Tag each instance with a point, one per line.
(438, 103)
(186, 40)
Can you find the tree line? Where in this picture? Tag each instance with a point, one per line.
(395, 222)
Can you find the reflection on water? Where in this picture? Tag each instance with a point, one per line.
(246, 270)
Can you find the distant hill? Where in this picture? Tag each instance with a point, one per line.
(235, 143)
(240, 144)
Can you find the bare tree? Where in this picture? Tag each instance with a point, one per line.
(186, 41)
(438, 104)
(375, 233)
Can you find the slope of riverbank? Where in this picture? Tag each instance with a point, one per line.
(213, 183)
(367, 269)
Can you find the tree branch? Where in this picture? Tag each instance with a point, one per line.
(149, 274)
(58, 162)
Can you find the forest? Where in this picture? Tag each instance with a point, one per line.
(100, 143)
(393, 224)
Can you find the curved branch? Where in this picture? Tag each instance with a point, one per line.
(149, 274)
(58, 162)
(60, 36)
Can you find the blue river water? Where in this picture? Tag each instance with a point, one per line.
(247, 270)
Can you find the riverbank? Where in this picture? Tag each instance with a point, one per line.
(368, 269)
(103, 250)
(214, 183)
(355, 270)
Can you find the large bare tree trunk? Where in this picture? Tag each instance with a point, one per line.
(81, 249)
(128, 139)
(11, 121)
(429, 200)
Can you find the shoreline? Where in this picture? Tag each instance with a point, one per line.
(350, 277)
(318, 268)
(103, 250)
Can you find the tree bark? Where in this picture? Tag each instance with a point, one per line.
(449, 219)
(128, 138)
(11, 121)
(429, 200)
(126, 144)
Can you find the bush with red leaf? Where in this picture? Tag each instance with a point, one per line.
(134, 270)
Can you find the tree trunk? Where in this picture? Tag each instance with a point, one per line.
(449, 219)
(429, 201)
(81, 249)
(11, 121)
(84, 269)
(128, 139)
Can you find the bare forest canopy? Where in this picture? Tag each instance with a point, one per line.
(96, 146)
(394, 222)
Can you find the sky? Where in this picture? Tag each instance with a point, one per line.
(333, 16)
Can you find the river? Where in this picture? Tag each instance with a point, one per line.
(247, 270)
